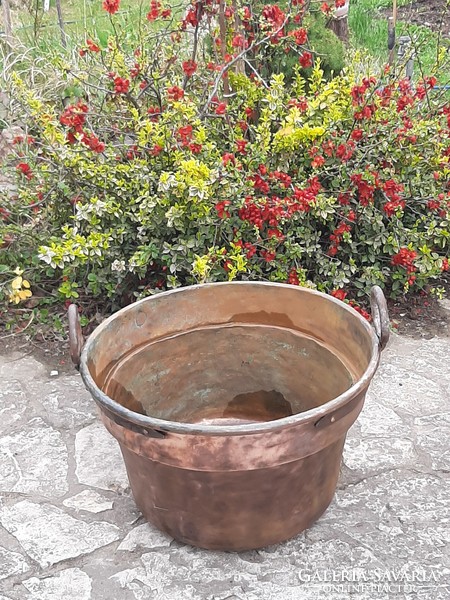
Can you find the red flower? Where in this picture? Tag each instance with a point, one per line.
(189, 67)
(325, 8)
(70, 137)
(185, 134)
(157, 149)
(267, 255)
(445, 265)
(305, 60)
(405, 258)
(111, 6)
(93, 142)
(360, 310)
(92, 46)
(357, 134)
(135, 71)
(221, 208)
(221, 108)
(154, 112)
(433, 204)
(25, 169)
(332, 251)
(339, 294)
(240, 146)
(239, 41)
(121, 85)
(195, 148)
(155, 10)
(175, 93)
(74, 116)
(228, 158)
(293, 277)
(318, 161)
(300, 36)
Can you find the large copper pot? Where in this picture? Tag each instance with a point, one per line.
(231, 403)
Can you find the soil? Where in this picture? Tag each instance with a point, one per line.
(428, 13)
(422, 316)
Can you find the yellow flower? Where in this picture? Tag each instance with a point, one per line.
(20, 288)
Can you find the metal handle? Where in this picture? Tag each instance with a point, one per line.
(134, 427)
(380, 315)
(76, 339)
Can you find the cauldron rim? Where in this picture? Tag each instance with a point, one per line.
(126, 415)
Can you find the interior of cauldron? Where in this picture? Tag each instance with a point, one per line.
(224, 354)
(228, 375)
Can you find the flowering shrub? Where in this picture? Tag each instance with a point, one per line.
(179, 162)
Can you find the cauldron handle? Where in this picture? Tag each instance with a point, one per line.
(380, 315)
(76, 339)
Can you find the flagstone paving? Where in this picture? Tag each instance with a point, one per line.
(69, 529)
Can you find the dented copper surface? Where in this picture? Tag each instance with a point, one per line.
(231, 403)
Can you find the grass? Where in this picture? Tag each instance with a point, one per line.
(82, 19)
(368, 23)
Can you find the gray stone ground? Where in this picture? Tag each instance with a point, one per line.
(69, 529)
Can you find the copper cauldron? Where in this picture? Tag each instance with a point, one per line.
(231, 403)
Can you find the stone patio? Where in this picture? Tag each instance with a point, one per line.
(69, 529)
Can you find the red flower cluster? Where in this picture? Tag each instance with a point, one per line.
(221, 209)
(300, 103)
(154, 112)
(262, 211)
(250, 249)
(135, 71)
(405, 259)
(300, 36)
(358, 92)
(111, 6)
(360, 310)
(339, 294)
(221, 108)
(336, 237)
(189, 67)
(121, 85)
(25, 169)
(184, 134)
(193, 15)
(273, 14)
(228, 158)
(90, 45)
(175, 93)
(305, 60)
(364, 187)
(74, 116)
(293, 277)
(392, 191)
(241, 145)
(156, 11)
(92, 141)
(345, 151)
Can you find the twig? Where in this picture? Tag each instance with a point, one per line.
(239, 57)
(3, 337)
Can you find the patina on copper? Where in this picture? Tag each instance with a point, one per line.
(231, 403)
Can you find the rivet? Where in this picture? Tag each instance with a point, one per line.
(140, 318)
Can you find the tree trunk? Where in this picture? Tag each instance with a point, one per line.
(61, 23)
(6, 10)
(339, 22)
(340, 28)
